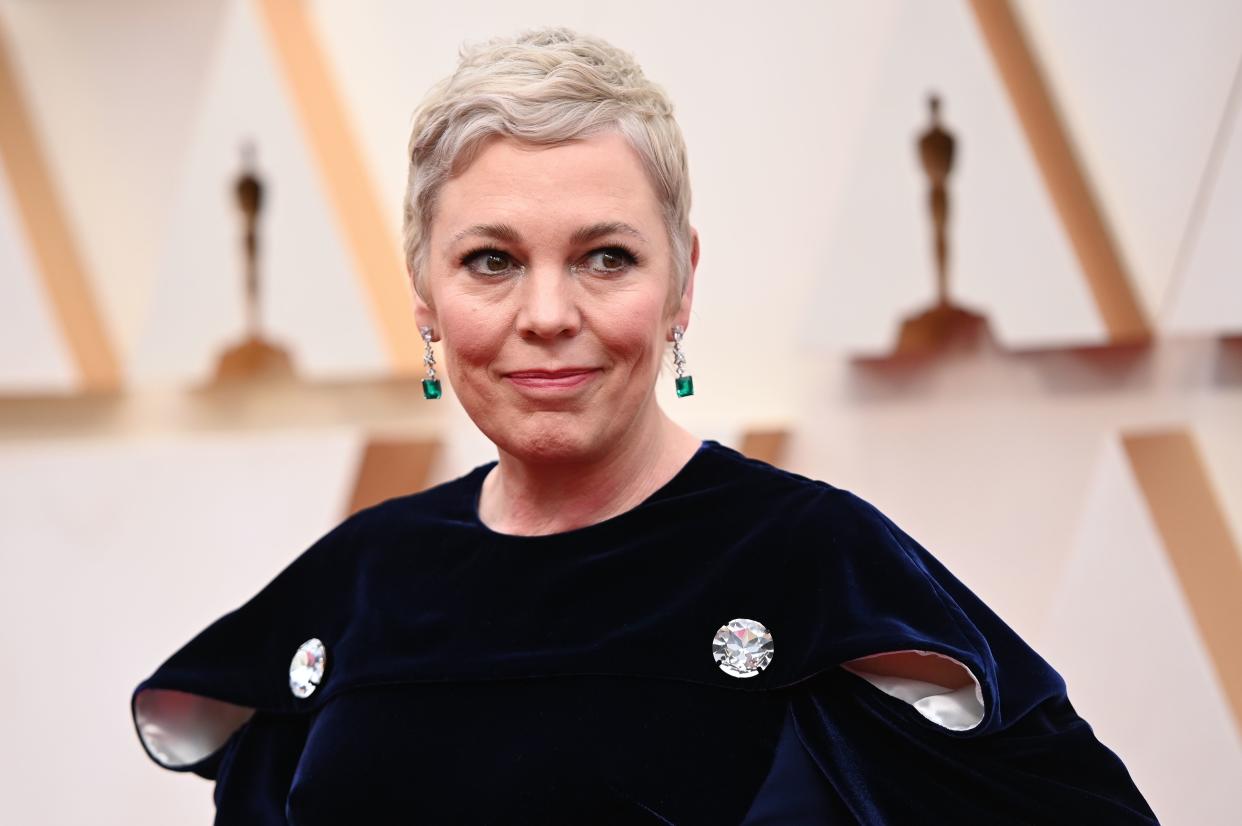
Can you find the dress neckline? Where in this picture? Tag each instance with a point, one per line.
(475, 491)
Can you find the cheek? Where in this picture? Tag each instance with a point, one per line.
(635, 336)
(470, 342)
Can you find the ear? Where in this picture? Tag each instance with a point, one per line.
(682, 316)
(424, 313)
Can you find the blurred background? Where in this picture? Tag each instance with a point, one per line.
(1053, 406)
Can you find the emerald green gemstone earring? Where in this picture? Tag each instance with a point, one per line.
(684, 383)
(431, 384)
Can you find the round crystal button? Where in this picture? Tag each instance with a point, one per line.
(742, 648)
(306, 670)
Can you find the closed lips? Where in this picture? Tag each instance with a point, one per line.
(551, 374)
(540, 381)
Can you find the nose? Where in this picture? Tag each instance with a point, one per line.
(548, 306)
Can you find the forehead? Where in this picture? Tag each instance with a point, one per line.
(550, 190)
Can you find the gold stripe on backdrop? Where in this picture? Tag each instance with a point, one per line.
(1076, 204)
(765, 445)
(376, 254)
(392, 467)
(1196, 537)
(52, 244)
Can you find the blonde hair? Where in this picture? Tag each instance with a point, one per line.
(545, 86)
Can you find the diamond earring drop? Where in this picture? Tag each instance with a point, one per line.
(684, 383)
(431, 384)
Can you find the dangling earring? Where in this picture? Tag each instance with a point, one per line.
(684, 383)
(431, 384)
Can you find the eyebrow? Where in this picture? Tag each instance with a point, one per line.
(501, 232)
(594, 231)
(504, 232)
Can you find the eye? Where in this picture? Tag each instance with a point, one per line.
(610, 260)
(488, 262)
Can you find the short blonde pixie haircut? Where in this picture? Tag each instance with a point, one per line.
(545, 86)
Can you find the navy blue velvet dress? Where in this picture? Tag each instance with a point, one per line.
(481, 678)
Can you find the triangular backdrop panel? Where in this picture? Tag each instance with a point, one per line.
(1143, 127)
(1120, 601)
(1207, 294)
(312, 301)
(1011, 258)
(112, 89)
(33, 355)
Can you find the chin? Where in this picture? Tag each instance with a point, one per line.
(551, 441)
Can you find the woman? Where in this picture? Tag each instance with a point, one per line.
(614, 622)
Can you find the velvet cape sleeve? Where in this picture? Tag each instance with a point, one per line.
(222, 705)
(639, 597)
(1030, 758)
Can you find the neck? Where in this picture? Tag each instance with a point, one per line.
(532, 498)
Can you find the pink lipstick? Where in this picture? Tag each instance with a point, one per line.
(565, 379)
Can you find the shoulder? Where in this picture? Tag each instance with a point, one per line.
(852, 583)
(840, 564)
(826, 518)
(724, 470)
(317, 595)
(729, 465)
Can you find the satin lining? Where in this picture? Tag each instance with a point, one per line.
(957, 709)
(180, 729)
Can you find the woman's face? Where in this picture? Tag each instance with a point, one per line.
(550, 284)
